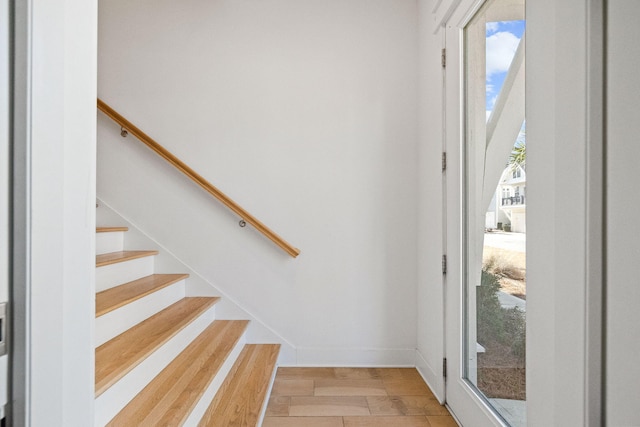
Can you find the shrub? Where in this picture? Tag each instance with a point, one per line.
(505, 326)
(515, 331)
(490, 322)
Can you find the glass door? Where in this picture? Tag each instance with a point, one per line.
(486, 294)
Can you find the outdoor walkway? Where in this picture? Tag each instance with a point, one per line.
(509, 301)
(516, 242)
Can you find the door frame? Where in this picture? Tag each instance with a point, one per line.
(464, 401)
(565, 259)
(53, 144)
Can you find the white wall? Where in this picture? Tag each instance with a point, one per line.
(623, 201)
(54, 212)
(306, 114)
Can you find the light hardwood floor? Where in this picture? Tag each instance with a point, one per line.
(353, 397)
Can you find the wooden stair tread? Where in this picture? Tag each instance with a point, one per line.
(172, 395)
(114, 298)
(120, 355)
(242, 395)
(121, 256)
(110, 229)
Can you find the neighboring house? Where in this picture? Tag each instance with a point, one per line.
(508, 206)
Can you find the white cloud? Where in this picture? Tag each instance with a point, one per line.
(501, 47)
(492, 27)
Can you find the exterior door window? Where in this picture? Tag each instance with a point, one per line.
(494, 279)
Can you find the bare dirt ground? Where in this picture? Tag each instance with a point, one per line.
(510, 266)
(500, 374)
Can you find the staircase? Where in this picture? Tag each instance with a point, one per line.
(163, 358)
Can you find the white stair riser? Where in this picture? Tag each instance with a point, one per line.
(265, 403)
(117, 321)
(113, 275)
(117, 396)
(112, 241)
(205, 400)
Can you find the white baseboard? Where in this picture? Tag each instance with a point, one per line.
(434, 379)
(353, 357)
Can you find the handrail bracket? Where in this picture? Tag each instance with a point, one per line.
(127, 127)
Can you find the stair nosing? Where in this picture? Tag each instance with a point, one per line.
(115, 374)
(204, 348)
(111, 229)
(170, 280)
(229, 385)
(125, 256)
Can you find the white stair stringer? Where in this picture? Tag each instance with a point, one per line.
(205, 400)
(112, 275)
(116, 397)
(118, 321)
(198, 285)
(109, 241)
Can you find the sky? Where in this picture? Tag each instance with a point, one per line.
(502, 41)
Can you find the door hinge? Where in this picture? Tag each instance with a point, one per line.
(3, 329)
(444, 58)
(444, 367)
(444, 161)
(444, 264)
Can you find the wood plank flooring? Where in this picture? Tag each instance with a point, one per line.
(353, 397)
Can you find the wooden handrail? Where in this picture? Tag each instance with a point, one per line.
(195, 177)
